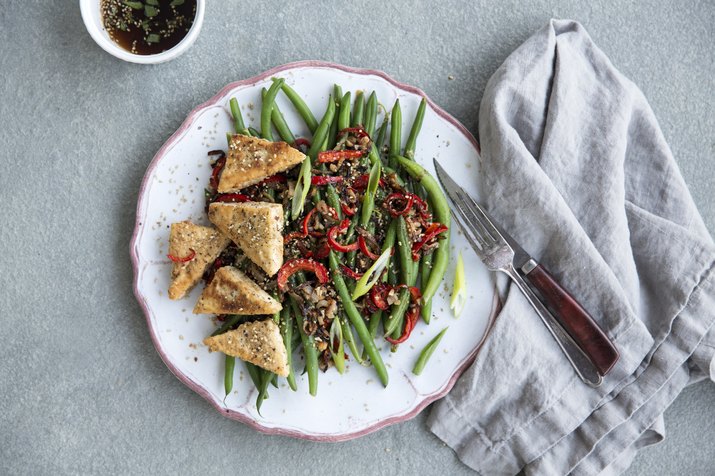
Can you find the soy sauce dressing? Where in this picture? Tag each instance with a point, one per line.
(147, 27)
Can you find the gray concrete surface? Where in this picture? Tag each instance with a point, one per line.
(83, 390)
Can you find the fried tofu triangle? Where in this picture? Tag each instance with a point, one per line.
(256, 228)
(251, 159)
(232, 292)
(259, 343)
(186, 239)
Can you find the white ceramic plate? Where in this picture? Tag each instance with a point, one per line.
(346, 406)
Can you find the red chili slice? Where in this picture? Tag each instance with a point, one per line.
(216, 172)
(185, 259)
(392, 201)
(333, 236)
(325, 180)
(422, 207)
(277, 178)
(361, 181)
(433, 229)
(347, 210)
(301, 264)
(378, 295)
(335, 155)
(350, 273)
(362, 244)
(232, 198)
(322, 252)
(306, 231)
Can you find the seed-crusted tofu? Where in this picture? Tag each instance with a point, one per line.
(256, 228)
(251, 159)
(232, 292)
(259, 343)
(185, 239)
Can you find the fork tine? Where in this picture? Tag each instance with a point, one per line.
(469, 230)
(484, 220)
(469, 236)
(479, 228)
(472, 227)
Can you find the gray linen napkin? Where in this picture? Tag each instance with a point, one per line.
(575, 166)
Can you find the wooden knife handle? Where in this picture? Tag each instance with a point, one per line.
(575, 319)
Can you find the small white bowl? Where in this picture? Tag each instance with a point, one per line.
(93, 21)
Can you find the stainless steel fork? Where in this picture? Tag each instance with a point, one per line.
(497, 255)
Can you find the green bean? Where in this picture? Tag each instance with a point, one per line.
(254, 372)
(356, 319)
(414, 132)
(333, 199)
(300, 106)
(280, 123)
(442, 215)
(426, 260)
(395, 132)
(228, 374)
(358, 110)
(382, 133)
(344, 116)
(368, 200)
(333, 136)
(267, 109)
(350, 339)
(228, 324)
(287, 334)
(397, 314)
(321, 136)
(371, 114)
(425, 271)
(321, 132)
(254, 132)
(238, 124)
(265, 379)
(405, 252)
(309, 349)
(396, 318)
(427, 352)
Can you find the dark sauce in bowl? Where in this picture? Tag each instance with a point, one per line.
(147, 27)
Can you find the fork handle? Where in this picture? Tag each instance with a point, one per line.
(575, 319)
(581, 363)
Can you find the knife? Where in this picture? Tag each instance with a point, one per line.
(574, 319)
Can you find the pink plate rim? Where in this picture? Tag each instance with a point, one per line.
(135, 260)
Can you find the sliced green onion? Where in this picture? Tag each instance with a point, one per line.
(372, 274)
(301, 189)
(427, 352)
(338, 355)
(459, 288)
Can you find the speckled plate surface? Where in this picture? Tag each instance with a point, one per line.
(346, 406)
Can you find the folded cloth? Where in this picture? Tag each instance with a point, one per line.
(575, 167)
